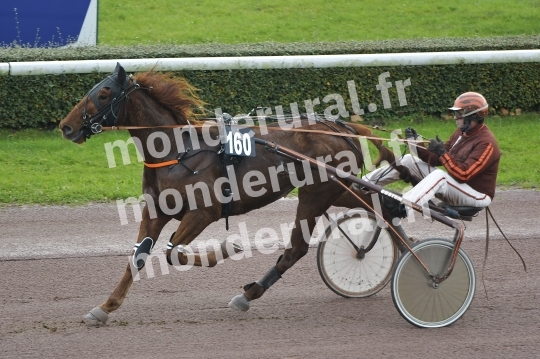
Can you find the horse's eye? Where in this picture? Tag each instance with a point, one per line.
(103, 94)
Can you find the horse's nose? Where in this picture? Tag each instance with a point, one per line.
(67, 130)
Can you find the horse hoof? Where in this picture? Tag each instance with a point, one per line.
(96, 317)
(229, 247)
(237, 248)
(240, 303)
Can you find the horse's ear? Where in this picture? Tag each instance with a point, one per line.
(120, 73)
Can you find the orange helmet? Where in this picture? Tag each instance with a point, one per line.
(471, 103)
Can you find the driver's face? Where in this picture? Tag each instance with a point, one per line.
(458, 116)
(459, 123)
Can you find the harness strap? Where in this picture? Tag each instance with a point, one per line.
(226, 207)
(178, 160)
(93, 123)
(161, 164)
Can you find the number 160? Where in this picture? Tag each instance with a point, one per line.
(240, 143)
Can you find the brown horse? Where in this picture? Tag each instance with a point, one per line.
(159, 104)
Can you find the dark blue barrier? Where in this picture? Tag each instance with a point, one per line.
(51, 23)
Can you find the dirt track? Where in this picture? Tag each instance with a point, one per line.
(56, 263)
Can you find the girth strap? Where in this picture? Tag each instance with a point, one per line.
(227, 192)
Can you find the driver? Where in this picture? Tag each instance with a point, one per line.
(470, 157)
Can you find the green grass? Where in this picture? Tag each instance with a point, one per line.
(42, 167)
(214, 21)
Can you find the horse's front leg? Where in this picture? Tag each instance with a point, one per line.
(150, 227)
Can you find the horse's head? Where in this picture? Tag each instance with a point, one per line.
(100, 106)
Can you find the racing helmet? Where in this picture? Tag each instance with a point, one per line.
(470, 103)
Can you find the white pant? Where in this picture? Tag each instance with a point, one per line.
(435, 183)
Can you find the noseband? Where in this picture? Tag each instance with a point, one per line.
(92, 124)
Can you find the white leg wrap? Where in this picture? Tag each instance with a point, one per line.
(96, 316)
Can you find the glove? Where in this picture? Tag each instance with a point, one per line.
(411, 133)
(405, 174)
(436, 146)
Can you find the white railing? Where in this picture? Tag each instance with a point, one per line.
(270, 62)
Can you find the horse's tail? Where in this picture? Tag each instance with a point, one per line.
(385, 154)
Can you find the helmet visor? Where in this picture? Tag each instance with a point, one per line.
(459, 109)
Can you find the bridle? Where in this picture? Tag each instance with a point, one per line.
(107, 114)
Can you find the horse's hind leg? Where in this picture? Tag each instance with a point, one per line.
(193, 223)
(150, 227)
(313, 202)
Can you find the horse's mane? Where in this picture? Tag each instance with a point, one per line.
(173, 93)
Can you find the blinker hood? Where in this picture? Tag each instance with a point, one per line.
(117, 83)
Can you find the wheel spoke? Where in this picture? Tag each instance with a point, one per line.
(418, 299)
(339, 266)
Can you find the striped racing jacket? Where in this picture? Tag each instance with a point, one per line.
(471, 158)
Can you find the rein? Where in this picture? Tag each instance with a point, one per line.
(339, 134)
(179, 159)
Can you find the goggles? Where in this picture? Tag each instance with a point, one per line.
(458, 112)
(458, 115)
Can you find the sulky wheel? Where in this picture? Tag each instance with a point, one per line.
(421, 301)
(354, 270)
